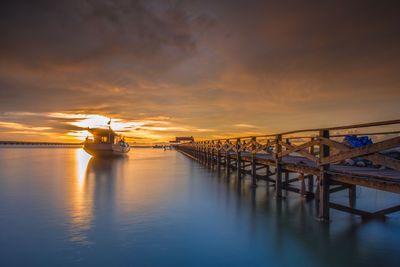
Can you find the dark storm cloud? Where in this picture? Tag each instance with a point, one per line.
(73, 32)
(58, 54)
(323, 36)
(229, 62)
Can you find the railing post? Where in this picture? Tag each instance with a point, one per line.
(278, 167)
(253, 163)
(323, 214)
(238, 159)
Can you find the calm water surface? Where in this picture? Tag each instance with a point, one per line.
(59, 207)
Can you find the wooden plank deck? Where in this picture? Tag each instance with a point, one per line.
(385, 174)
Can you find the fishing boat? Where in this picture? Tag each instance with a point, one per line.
(158, 146)
(105, 143)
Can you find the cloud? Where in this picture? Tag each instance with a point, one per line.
(198, 67)
(244, 125)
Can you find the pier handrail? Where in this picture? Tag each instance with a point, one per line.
(281, 145)
(346, 127)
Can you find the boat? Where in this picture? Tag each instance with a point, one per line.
(105, 143)
(158, 146)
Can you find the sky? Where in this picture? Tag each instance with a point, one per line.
(210, 69)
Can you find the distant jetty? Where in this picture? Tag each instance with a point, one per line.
(46, 144)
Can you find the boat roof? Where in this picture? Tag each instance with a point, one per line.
(102, 131)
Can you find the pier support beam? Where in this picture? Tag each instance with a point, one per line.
(209, 150)
(228, 163)
(206, 154)
(278, 167)
(253, 170)
(324, 182)
(209, 156)
(352, 195)
(212, 154)
(238, 160)
(310, 178)
(268, 174)
(302, 185)
(286, 178)
(253, 165)
(219, 160)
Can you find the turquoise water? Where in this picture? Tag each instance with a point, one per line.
(59, 207)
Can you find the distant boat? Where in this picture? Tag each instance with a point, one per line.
(158, 146)
(105, 143)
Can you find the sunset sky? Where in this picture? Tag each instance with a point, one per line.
(164, 68)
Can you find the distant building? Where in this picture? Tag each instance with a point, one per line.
(182, 139)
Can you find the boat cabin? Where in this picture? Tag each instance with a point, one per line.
(104, 136)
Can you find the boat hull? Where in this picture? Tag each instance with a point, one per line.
(106, 150)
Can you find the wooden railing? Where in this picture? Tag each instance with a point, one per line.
(281, 145)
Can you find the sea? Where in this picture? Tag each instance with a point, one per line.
(62, 207)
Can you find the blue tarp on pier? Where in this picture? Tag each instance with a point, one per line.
(355, 141)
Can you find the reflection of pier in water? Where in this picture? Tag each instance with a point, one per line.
(295, 217)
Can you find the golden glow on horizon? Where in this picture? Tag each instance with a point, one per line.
(95, 121)
(144, 130)
(148, 130)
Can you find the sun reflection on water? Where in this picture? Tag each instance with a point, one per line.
(82, 160)
(81, 200)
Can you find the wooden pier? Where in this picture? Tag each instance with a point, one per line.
(318, 160)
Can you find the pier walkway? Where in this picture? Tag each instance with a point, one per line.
(319, 160)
